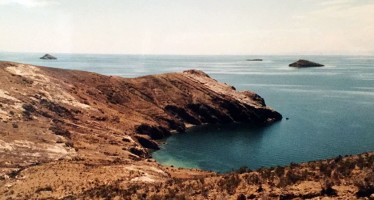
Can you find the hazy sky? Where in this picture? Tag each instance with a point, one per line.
(188, 26)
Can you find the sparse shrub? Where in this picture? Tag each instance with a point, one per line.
(241, 197)
(252, 179)
(345, 168)
(279, 171)
(282, 182)
(229, 183)
(293, 165)
(292, 178)
(365, 189)
(360, 162)
(243, 170)
(265, 173)
(338, 159)
(327, 189)
(325, 169)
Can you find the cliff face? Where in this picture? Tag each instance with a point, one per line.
(73, 134)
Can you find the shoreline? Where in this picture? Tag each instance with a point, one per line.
(86, 135)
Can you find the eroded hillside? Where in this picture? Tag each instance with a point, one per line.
(68, 134)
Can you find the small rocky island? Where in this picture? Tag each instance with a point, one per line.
(256, 59)
(305, 63)
(48, 57)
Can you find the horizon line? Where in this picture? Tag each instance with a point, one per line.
(166, 54)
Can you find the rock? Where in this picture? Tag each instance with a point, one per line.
(256, 59)
(208, 114)
(15, 125)
(236, 111)
(28, 109)
(181, 114)
(58, 130)
(113, 94)
(196, 72)
(146, 143)
(255, 97)
(305, 63)
(138, 151)
(155, 132)
(61, 111)
(48, 57)
(44, 189)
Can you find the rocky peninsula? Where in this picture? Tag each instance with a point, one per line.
(69, 134)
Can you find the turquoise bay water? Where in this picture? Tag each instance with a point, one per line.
(330, 109)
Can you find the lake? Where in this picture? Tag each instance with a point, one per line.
(330, 109)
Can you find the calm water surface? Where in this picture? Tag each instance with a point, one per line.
(330, 109)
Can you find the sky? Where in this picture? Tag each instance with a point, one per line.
(191, 27)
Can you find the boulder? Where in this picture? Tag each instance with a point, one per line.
(305, 63)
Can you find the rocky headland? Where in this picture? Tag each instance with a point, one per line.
(69, 134)
(305, 63)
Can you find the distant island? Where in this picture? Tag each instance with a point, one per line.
(48, 57)
(305, 63)
(256, 59)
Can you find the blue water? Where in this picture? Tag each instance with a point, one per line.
(330, 109)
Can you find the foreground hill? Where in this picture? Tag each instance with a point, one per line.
(73, 134)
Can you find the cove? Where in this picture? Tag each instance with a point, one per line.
(219, 148)
(223, 148)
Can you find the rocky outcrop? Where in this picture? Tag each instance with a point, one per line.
(305, 63)
(155, 132)
(48, 57)
(147, 143)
